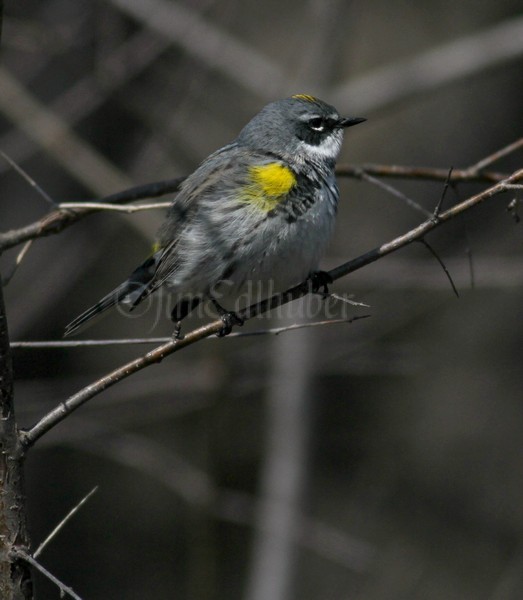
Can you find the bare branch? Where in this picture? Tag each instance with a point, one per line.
(444, 191)
(163, 340)
(63, 522)
(424, 228)
(29, 179)
(56, 221)
(51, 419)
(18, 261)
(64, 589)
(487, 161)
(28, 438)
(215, 47)
(420, 173)
(76, 156)
(395, 192)
(194, 486)
(441, 264)
(86, 95)
(131, 208)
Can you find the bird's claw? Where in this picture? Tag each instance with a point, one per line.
(319, 280)
(229, 319)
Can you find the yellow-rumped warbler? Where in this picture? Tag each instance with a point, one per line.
(259, 209)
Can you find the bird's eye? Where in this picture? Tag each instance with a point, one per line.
(317, 123)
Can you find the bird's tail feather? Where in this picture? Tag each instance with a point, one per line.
(113, 298)
(130, 292)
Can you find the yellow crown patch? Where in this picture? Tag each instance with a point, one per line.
(305, 97)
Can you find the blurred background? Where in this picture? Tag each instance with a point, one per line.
(377, 460)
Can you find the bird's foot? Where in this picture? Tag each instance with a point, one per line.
(177, 333)
(319, 280)
(229, 319)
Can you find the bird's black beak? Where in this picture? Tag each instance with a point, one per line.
(350, 121)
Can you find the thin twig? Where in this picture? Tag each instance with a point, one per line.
(130, 208)
(424, 228)
(395, 192)
(18, 261)
(57, 220)
(29, 179)
(197, 488)
(64, 589)
(495, 156)
(84, 96)
(437, 210)
(74, 154)
(55, 416)
(441, 263)
(61, 524)
(345, 300)
(163, 340)
(419, 173)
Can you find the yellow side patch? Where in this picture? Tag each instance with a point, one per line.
(269, 183)
(156, 247)
(305, 97)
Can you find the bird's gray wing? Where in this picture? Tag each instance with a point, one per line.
(212, 179)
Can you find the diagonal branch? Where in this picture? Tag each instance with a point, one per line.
(421, 230)
(57, 220)
(62, 523)
(64, 589)
(64, 409)
(438, 66)
(205, 41)
(75, 155)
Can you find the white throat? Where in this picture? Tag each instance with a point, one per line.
(327, 150)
